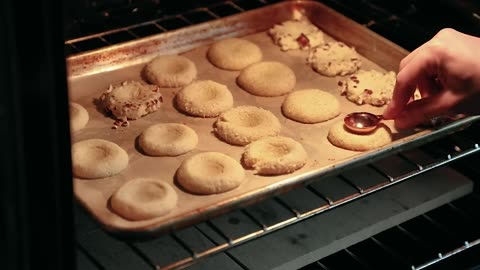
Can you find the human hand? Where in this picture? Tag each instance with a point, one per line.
(446, 71)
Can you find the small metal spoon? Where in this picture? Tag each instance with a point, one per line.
(362, 122)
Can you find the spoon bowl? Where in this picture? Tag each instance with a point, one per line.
(362, 122)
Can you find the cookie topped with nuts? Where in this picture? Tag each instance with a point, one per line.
(296, 34)
(131, 100)
(369, 87)
(334, 58)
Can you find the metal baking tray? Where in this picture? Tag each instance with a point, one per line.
(91, 73)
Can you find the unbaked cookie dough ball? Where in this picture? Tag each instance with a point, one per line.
(234, 54)
(267, 79)
(78, 117)
(341, 137)
(275, 155)
(97, 158)
(167, 139)
(170, 71)
(310, 106)
(143, 198)
(204, 99)
(245, 124)
(210, 173)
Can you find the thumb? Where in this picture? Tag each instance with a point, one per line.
(422, 110)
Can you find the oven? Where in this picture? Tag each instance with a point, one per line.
(413, 207)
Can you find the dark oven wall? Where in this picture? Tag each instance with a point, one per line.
(407, 23)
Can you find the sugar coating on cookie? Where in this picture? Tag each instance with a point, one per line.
(334, 58)
(296, 34)
(267, 79)
(310, 106)
(234, 54)
(275, 155)
(170, 71)
(369, 87)
(97, 158)
(78, 117)
(131, 100)
(210, 173)
(341, 137)
(245, 124)
(167, 139)
(204, 99)
(143, 199)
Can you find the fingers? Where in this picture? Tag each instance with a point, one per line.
(419, 69)
(424, 109)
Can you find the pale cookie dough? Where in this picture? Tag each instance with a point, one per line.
(334, 58)
(369, 87)
(245, 124)
(296, 34)
(78, 117)
(267, 79)
(310, 106)
(167, 139)
(343, 138)
(234, 54)
(143, 198)
(170, 71)
(275, 155)
(131, 100)
(204, 99)
(97, 158)
(210, 173)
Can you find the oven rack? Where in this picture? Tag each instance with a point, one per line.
(413, 157)
(222, 233)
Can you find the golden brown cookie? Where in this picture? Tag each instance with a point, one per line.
(343, 138)
(78, 117)
(170, 71)
(310, 106)
(234, 54)
(167, 139)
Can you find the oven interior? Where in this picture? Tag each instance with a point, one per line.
(406, 211)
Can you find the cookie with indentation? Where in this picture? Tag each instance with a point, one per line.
(78, 117)
(245, 124)
(369, 87)
(310, 106)
(341, 137)
(168, 139)
(170, 71)
(275, 155)
(210, 173)
(296, 34)
(334, 58)
(234, 54)
(204, 99)
(143, 199)
(267, 79)
(97, 158)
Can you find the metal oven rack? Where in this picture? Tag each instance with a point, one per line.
(203, 240)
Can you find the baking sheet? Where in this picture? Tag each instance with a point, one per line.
(90, 74)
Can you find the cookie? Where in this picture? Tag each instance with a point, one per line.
(210, 173)
(234, 54)
(275, 155)
(204, 99)
(245, 124)
(170, 71)
(131, 100)
(334, 58)
(296, 34)
(78, 117)
(143, 199)
(267, 79)
(341, 137)
(369, 87)
(167, 139)
(97, 158)
(310, 106)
